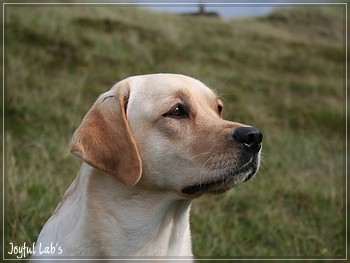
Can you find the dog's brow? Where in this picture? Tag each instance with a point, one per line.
(181, 94)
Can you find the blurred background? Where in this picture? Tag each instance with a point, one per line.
(280, 69)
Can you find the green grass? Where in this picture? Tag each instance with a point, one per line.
(283, 73)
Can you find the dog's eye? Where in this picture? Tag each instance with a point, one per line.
(177, 111)
(220, 109)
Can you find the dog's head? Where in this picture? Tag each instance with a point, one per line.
(165, 132)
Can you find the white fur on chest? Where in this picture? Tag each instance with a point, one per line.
(106, 221)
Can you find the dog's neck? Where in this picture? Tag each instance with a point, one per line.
(131, 221)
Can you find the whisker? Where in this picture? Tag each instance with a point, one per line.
(194, 157)
(221, 84)
(202, 171)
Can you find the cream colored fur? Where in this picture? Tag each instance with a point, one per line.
(138, 157)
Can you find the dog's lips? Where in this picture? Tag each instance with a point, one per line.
(193, 189)
(220, 185)
(216, 187)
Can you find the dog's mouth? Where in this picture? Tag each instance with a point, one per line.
(193, 189)
(224, 183)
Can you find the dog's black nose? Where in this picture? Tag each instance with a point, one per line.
(251, 137)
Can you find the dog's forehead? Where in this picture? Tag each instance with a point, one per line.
(170, 85)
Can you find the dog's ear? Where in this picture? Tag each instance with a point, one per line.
(104, 139)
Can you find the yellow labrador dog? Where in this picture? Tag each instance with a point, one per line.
(149, 146)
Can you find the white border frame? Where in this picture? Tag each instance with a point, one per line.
(187, 4)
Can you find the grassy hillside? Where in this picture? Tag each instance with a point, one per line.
(283, 73)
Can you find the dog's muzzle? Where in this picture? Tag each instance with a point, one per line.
(249, 139)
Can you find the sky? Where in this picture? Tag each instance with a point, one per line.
(228, 10)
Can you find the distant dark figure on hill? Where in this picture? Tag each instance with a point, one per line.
(202, 12)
